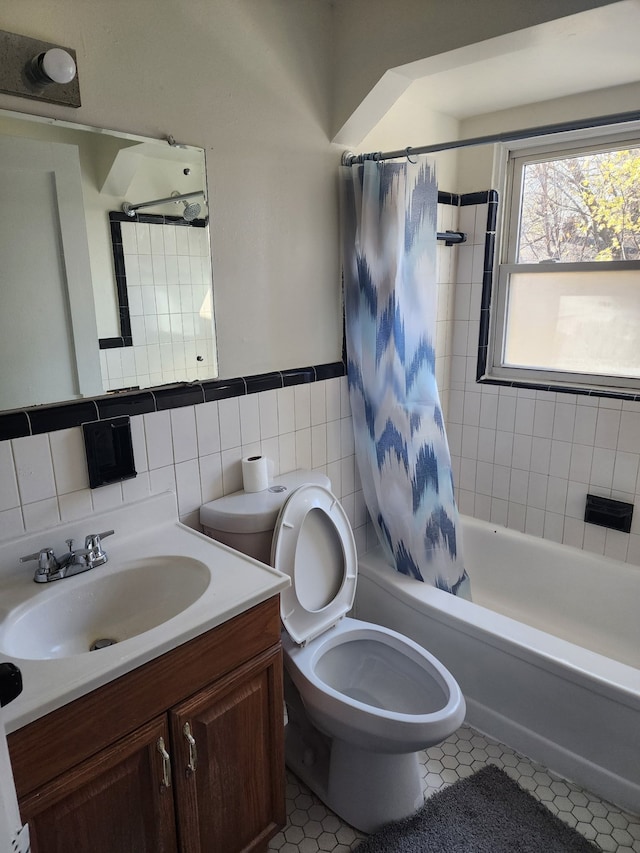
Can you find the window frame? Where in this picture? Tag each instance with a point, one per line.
(509, 162)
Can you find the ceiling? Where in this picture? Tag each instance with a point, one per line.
(595, 49)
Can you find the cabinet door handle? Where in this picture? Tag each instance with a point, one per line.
(193, 753)
(166, 764)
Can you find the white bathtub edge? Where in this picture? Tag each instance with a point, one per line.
(560, 761)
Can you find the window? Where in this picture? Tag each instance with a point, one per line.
(566, 309)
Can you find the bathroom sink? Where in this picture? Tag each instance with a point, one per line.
(102, 607)
(164, 584)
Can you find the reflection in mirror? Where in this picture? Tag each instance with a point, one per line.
(94, 300)
(163, 278)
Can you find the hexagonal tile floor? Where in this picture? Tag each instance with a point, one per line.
(313, 828)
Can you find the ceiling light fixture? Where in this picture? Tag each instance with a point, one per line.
(31, 68)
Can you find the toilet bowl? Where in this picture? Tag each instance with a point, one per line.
(362, 699)
(374, 688)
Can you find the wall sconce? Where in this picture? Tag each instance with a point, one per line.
(30, 68)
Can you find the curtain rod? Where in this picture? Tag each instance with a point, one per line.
(350, 159)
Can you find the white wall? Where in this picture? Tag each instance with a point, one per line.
(407, 122)
(476, 164)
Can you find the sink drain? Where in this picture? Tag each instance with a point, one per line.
(102, 644)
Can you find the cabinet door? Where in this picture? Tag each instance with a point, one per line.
(115, 802)
(230, 779)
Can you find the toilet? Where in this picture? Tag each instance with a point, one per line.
(361, 699)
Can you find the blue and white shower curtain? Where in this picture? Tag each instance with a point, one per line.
(389, 244)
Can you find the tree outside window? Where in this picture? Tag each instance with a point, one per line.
(583, 208)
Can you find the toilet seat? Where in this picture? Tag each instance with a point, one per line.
(313, 543)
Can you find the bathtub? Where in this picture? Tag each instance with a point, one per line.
(547, 655)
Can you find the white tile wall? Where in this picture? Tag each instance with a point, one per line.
(524, 458)
(195, 451)
(451, 302)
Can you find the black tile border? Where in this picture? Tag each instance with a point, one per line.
(115, 343)
(481, 197)
(42, 419)
(333, 370)
(563, 389)
(124, 339)
(298, 376)
(14, 425)
(223, 389)
(492, 213)
(126, 404)
(448, 198)
(53, 418)
(263, 382)
(177, 396)
(156, 218)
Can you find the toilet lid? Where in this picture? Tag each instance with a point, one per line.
(313, 543)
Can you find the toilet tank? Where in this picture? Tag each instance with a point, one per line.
(246, 520)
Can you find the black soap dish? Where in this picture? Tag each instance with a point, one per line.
(109, 451)
(606, 512)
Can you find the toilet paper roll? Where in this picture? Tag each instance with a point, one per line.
(255, 473)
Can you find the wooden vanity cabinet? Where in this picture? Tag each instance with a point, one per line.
(110, 802)
(202, 773)
(226, 804)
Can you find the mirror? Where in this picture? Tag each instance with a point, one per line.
(95, 299)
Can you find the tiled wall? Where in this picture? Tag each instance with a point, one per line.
(194, 450)
(446, 257)
(527, 458)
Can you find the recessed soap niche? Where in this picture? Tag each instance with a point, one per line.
(109, 451)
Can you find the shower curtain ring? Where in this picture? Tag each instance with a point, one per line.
(407, 152)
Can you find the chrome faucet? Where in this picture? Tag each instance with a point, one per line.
(50, 568)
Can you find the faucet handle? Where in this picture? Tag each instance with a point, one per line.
(93, 548)
(92, 541)
(45, 557)
(47, 562)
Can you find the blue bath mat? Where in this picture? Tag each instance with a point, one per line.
(485, 813)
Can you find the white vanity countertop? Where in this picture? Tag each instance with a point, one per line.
(146, 530)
